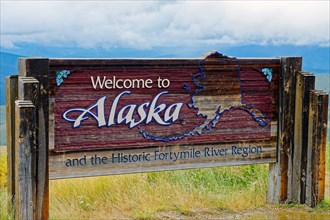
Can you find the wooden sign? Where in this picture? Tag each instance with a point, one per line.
(147, 115)
(86, 117)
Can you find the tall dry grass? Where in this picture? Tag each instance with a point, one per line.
(143, 195)
(3, 186)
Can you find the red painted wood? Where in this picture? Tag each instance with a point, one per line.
(222, 79)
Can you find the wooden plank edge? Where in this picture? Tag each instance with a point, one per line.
(11, 96)
(25, 156)
(54, 175)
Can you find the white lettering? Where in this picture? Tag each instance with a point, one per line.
(128, 118)
(98, 82)
(155, 110)
(114, 107)
(99, 117)
(147, 112)
(175, 113)
(115, 83)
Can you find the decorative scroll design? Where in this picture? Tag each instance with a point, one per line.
(268, 72)
(61, 75)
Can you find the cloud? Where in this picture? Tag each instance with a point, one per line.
(148, 24)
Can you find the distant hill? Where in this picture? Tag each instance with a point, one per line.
(8, 66)
(315, 59)
(322, 82)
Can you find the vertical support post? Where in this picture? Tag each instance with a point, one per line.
(25, 155)
(279, 181)
(316, 148)
(28, 89)
(309, 84)
(324, 126)
(305, 83)
(312, 136)
(11, 97)
(38, 68)
(273, 183)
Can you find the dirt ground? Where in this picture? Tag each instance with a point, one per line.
(273, 212)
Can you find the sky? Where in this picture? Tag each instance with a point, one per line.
(144, 25)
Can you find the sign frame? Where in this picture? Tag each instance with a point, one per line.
(58, 158)
(28, 137)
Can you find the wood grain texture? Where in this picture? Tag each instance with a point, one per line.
(25, 164)
(291, 66)
(11, 97)
(224, 84)
(324, 124)
(316, 148)
(294, 194)
(312, 125)
(28, 89)
(281, 171)
(38, 68)
(259, 62)
(273, 182)
(228, 82)
(309, 84)
(304, 84)
(156, 162)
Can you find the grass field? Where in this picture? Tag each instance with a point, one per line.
(143, 195)
(2, 125)
(176, 194)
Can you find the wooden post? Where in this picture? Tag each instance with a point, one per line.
(279, 179)
(28, 89)
(11, 97)
(309, 84)
(305, 83)
(323, 124)
(25, 156)
(312, 135)
(38, 68)
(316, 148)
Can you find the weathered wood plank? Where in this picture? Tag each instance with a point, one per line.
(312, 125)
(28, 89)
(296, 172)
(156, 159)
(291, 67)
(11, 97)
(38, 68)
(309, 84)
(316, 148)
(280, 171)
(271, 62)
(323, 121)
(273, 181)
(305, 83)
(25, 156)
